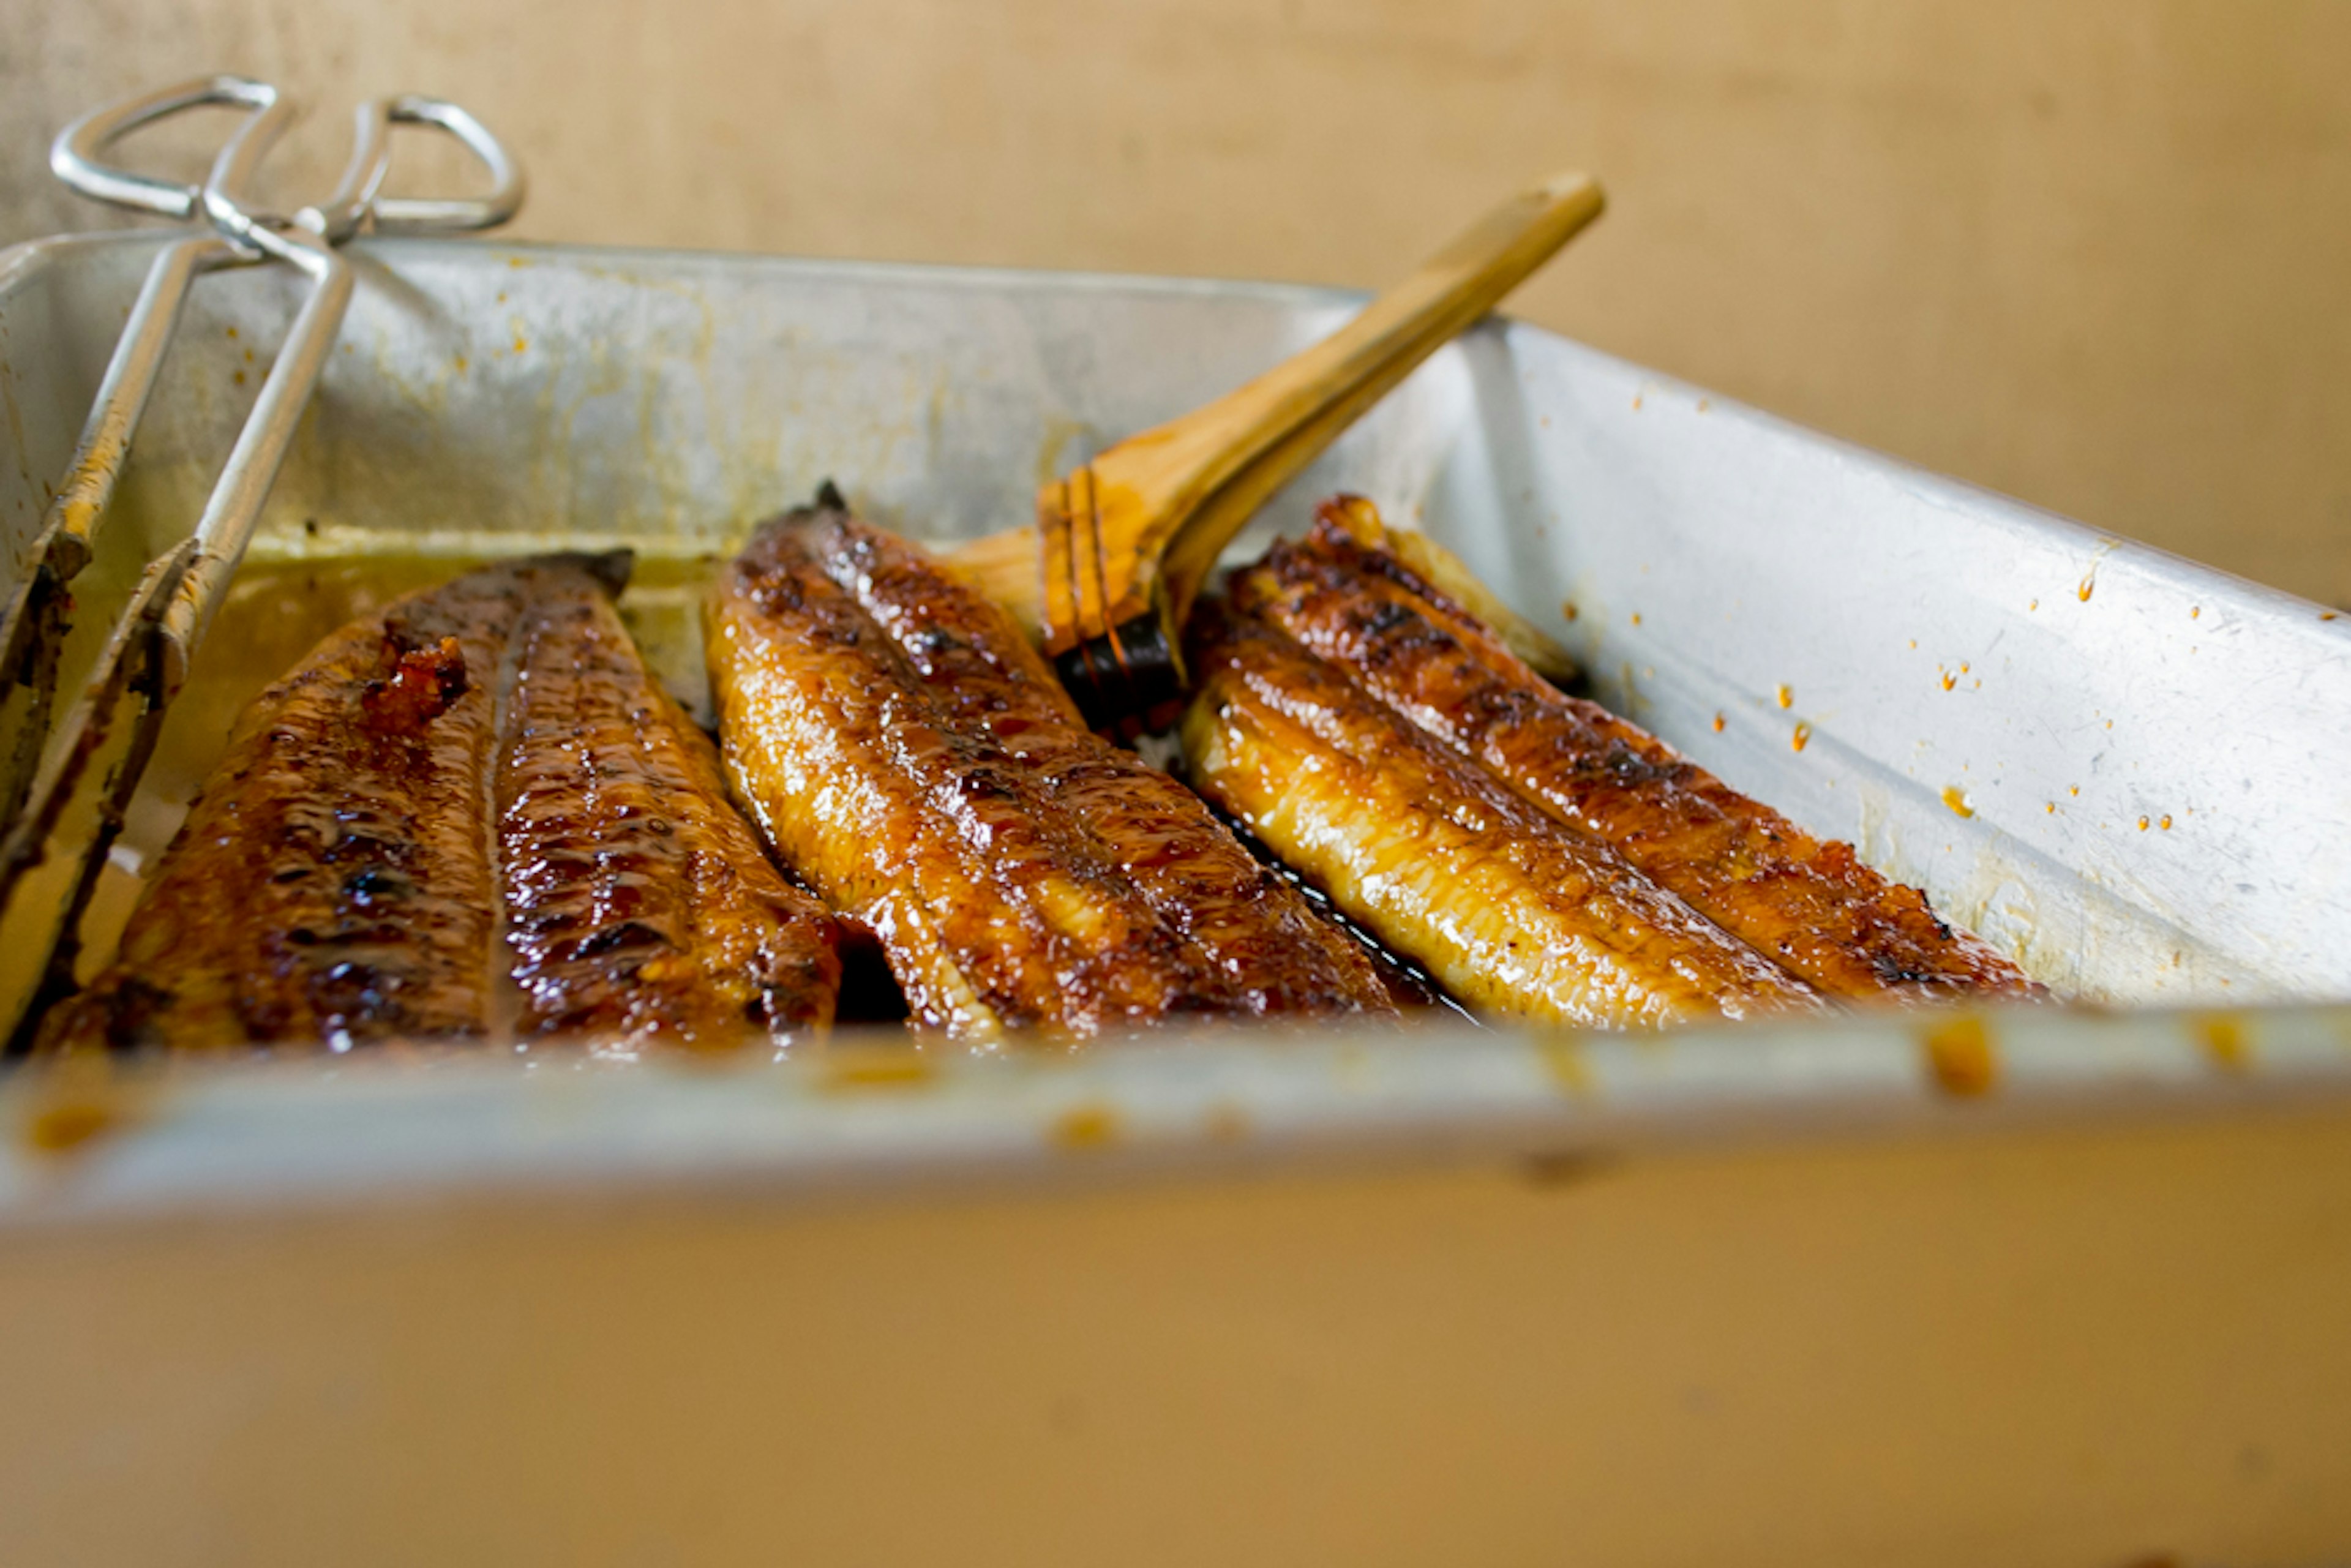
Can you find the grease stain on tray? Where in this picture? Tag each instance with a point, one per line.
(77, 1106)
(876, 1067)
(2224, 1039)
(1089, 1125)
(1226, 1123)
(1961, 1056)
(1569, 1069)
(2089, 583)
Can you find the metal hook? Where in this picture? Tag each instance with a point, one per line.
(357, 207)
(76, 156)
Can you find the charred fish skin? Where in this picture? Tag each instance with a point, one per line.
(910, 758)
(332, 884)
(1515, 914)
(1274, 953)
(640, 910)
(920, 833)
(342, 880)
(1810, 905)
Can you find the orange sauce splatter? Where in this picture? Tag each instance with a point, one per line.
(2224, 1040)
(2143, 824)
(1088, 1126)
(877, 1067)
(65, 1126)
(1783, 697)
(1957, 799)
(1960, 1054)
(1717, 724)
(2164, 822)
(1801, 738)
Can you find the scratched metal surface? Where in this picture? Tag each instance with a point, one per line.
(2107, 759)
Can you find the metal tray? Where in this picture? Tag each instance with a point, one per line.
(2105, 758)
(2122, 767)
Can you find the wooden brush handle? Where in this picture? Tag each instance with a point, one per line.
(1192, 550)
(1186, 488)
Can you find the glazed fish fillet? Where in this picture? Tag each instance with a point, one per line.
(911, 758)
(1444, 862)
(474, 817)
(640, 906)
(1810, 905)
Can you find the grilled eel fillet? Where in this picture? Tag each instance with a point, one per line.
(911, 758)
(491, 746)
(1809, 905)
(1514, 914)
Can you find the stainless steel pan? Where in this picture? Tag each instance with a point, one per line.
(2109, 760)
(2129, 770)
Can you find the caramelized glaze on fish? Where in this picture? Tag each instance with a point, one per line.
(911, 757)
(482, 782)
(641, 907)
(1810, 905)
(1514, 914)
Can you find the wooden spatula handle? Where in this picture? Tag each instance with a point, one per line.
(1123, 543)
(1197, 455)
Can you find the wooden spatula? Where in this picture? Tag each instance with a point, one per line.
(1123, 545)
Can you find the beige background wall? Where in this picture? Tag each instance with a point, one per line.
(2097, 254)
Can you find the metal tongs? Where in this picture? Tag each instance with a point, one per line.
(152, 642)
